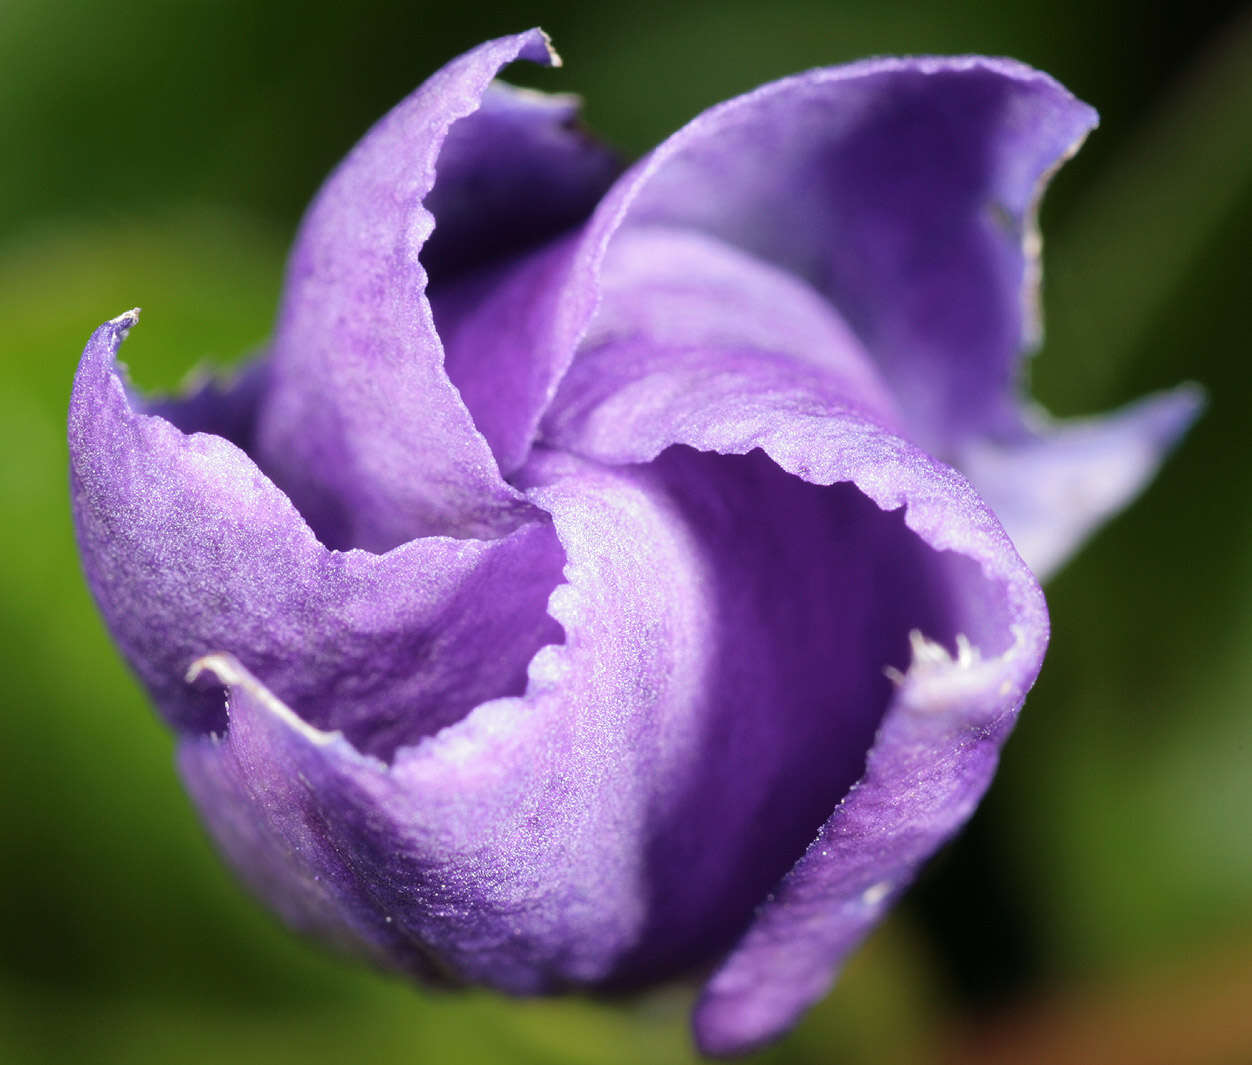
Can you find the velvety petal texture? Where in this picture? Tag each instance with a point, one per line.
(600, 579)
(666, 765)
(361, 426)
(189, 548)
(904, 190)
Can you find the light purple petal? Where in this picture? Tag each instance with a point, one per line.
(189, 549)
(902, 189)
(1059, 484)
(361, 425)
(675, 286)
(512, 845)
(621, 821)
(679, 289)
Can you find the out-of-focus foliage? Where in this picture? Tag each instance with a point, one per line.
(159, 153)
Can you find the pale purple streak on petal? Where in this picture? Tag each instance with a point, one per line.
(361, 425)
(677, 289)
(190, 549)
(1058, 485)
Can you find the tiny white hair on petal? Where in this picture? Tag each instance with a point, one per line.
(946, 676)
(930, 656)
(231, 673)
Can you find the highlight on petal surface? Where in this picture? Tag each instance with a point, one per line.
(621, 821)
(932, 741)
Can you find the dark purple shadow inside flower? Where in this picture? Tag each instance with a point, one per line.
(224, 406)
(519, 170)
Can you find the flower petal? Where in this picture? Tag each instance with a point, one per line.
(630, 400)
(903, 190)
(513, 174)
(931, 761)
(621, 821)
(517, 172)
(1053, 488)
(189, 549)
(495, 326)
(361, 425)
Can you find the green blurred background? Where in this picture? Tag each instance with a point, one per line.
(1099, 909)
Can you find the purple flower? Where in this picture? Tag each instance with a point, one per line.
(586, 563)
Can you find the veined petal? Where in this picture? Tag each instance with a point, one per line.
(361, 425)
(189, 549)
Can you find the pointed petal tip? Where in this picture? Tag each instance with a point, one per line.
(536, 46)
(1177, 410)
(127, 320)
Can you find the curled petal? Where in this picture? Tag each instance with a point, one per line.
(517, 171)
(361, 425)
(189, 548)
(495, 325)
(904, 191)
(619, 822)
(630, 401)
(931, 760)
